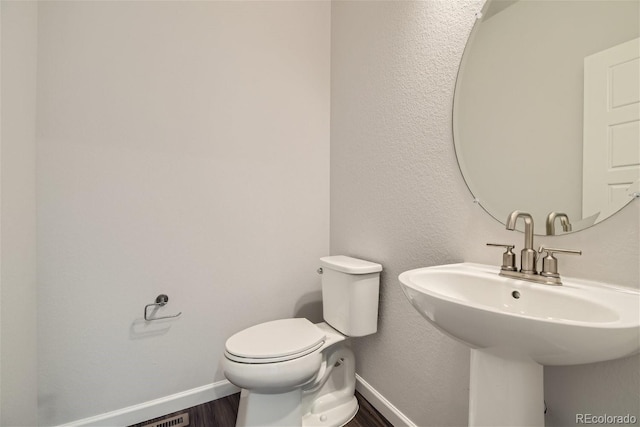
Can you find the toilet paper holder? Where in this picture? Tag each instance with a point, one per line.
(161, 301)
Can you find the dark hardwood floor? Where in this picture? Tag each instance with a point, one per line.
(367, 415)
(223, 413)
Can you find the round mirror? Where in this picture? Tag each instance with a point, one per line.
(546, 113)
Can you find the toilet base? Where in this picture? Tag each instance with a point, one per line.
(328, 401)
(337, 416)
(285, 410)
(266, 409)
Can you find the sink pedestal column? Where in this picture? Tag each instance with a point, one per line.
(505, 390)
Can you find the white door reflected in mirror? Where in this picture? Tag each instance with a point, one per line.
(611, 152)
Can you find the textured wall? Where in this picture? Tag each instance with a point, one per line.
(398, 198)
(18, 381)
(183, 148)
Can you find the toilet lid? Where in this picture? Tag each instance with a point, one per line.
(276, 340)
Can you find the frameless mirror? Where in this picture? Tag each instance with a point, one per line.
(547, 109)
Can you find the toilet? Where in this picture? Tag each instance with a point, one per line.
(296, 373)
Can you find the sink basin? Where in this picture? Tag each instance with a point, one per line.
(553, 325)
(514, 327)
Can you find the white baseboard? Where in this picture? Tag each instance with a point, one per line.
(159, 407)
(197, 396)
(378, 401)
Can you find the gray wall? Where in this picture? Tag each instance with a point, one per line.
(398, 198)
(18, 333)
(183, 148)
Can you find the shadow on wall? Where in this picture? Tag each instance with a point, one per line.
(141, 328)
(309, 306)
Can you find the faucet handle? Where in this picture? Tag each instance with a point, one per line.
(508, 257)
(550, 263)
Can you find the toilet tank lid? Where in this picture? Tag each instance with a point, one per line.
(349, 265)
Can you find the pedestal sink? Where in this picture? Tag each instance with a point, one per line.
(514, 327)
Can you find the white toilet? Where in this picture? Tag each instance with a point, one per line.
(296, 373)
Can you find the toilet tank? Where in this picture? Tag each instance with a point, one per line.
(350, 289)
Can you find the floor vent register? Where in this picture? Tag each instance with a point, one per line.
(177, 421)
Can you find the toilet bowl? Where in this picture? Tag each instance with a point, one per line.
(274, 355)
(296, 373)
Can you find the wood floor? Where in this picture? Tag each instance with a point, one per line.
(223, 413)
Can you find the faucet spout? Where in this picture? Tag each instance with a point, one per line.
(528, 226)
(528, 255)
(551, 220)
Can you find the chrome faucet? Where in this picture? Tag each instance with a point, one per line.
(551, 222)
(528, 255)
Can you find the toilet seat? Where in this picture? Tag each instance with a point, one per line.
(275, 341)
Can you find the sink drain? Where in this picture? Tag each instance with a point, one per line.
(515, 294)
